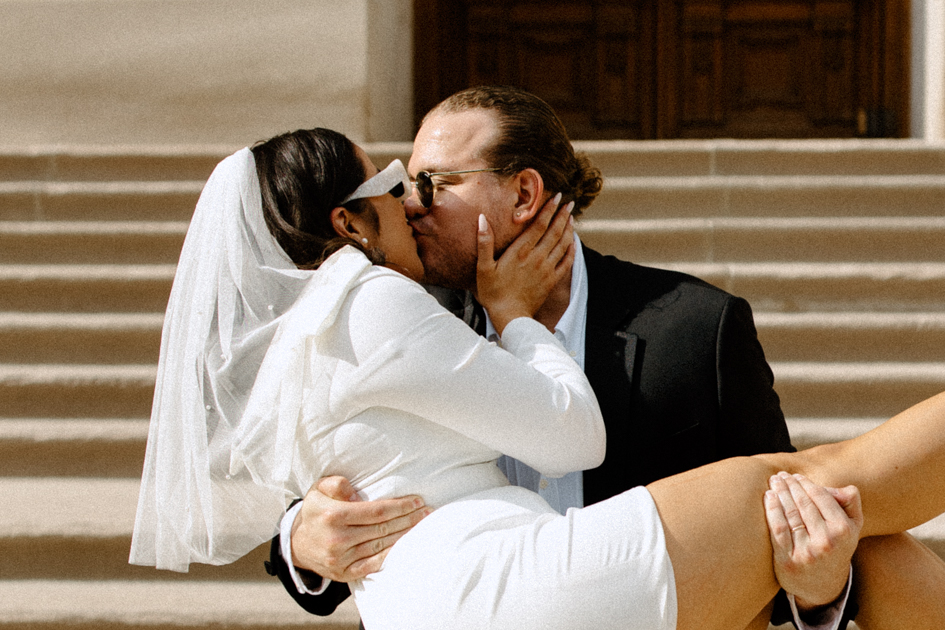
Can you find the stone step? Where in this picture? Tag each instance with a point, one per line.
(72, 447)
(76, 391)
(738, 239)
(613, 157)
(135, 338)
(88, 604)
(826, 287)
(765, 157)
(752, 239)
(855, 337)
(195, 608)
(114, 448)
(137, 163)
(622, 198)
(769, 196)
(86, 288)
(109, 163)
(778, 286)
(99, 201)
(91, 242)
(810, 432)
(806, 389)
(100, 338)
(868, 389)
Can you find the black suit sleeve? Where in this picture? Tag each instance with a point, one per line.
(751, 420)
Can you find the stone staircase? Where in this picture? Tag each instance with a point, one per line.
(839, 247)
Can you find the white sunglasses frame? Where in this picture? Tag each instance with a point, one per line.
(383, 183)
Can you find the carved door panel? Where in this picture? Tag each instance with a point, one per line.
(671, 69)
(821, 68)
(592, 61)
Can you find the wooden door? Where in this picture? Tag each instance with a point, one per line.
(678, 69)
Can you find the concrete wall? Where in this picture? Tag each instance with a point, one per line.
(207, 71)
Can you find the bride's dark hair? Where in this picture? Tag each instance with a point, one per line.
(303, 176)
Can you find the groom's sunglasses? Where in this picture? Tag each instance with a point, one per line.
(426, 187)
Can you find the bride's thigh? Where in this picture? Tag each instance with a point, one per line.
(717, 538)
(898, 583)
(763, 620)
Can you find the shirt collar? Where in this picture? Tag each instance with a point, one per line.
(570, 328)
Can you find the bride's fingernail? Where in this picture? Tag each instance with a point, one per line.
(570, 207)
(483, 226)
(557, 199)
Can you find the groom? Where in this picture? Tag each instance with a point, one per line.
(676, 365)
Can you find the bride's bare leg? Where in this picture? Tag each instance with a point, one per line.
(714, 520)
(761, 622)
(892, 575)
(717, 538)
(891, 465)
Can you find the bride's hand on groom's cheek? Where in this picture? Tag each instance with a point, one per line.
(520, 281)
(343, 538)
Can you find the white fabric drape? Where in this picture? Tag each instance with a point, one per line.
(233, 282)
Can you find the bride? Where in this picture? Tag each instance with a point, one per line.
(298, 344)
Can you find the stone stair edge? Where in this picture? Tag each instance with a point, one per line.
(707, 157)
(835, 144)
(74, 429)
(667, 224)
(155, 603)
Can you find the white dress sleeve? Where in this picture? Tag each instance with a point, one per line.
(527, 399)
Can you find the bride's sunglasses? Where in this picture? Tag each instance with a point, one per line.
(393, 180)
(426, 187)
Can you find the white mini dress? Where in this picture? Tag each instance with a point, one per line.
(401, 397)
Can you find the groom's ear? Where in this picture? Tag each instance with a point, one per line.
(530, 192)
(347, 224)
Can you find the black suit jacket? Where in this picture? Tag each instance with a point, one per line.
(681, 380)
(679, 373)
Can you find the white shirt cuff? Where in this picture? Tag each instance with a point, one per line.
(829, 618)
(285, 546)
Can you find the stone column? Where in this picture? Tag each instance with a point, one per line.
(389, 70)
(928, 70)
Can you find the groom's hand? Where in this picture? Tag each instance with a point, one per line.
(343, 538)
(814, 532)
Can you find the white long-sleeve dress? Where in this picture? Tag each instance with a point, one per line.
(401, 397)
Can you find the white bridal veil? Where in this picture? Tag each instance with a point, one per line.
(216, 478)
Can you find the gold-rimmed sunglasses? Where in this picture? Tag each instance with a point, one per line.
(425, 186)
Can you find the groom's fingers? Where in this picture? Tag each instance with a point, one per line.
(368, 557)
(778, 528)
(335, 530)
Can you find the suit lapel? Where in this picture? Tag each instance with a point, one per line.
(607, 338)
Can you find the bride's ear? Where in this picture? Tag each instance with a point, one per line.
(348, 224)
